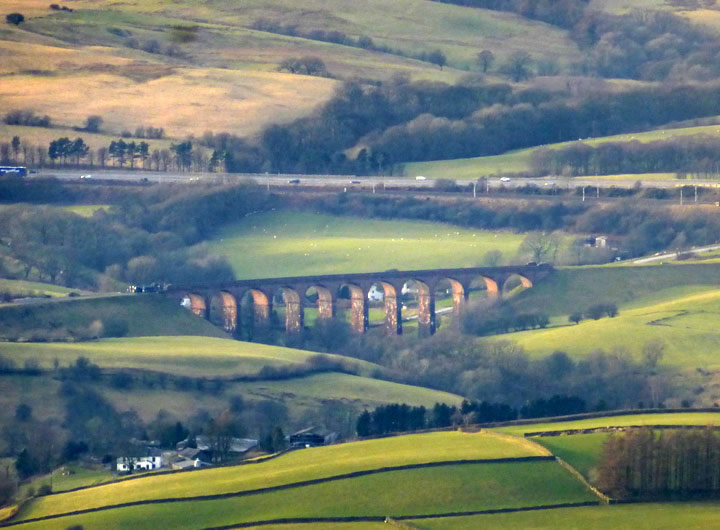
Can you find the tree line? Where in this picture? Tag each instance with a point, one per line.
(696, 155)
(436, 57)
(644, 463)
(396, 417)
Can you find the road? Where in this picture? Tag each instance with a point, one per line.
(670, 255)
(378, 183)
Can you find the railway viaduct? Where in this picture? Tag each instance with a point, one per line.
(327, 293)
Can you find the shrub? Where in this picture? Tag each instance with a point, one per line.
(15, 18)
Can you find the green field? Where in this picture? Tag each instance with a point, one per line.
(665, 516)
(69, 477)
(670, 418)
(581, 451)
(191, 356)
(287, 243)
(410, 492)
(519, 161)
(293, 467)
(24, 288)
(144, 316)
(576, 288)
(686, 324)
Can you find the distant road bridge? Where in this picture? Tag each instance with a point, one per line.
(252, 304)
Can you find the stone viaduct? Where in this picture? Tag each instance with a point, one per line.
(221, 303)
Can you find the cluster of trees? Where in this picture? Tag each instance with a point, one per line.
(501, 372)
(500, 318)
(595, 312)
(402, 418)
(150, 237)
(15, 18)
(154, 46)
(399, 121)
(308, 65)
(26, 117)
(641, 44)
(686, 154)
(644, 463)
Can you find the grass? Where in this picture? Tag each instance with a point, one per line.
(86, 210)
(189, 356)
(656, 516)
(576, 288)
(25, 288)
(144, 315)
(670, 418)
(519, 161)
(286, 243)
(349, 389)
(69, 477)
(687, 325)
(296, 466)
(301, 397)
(418, 491)
(582, 451)
(71, 65)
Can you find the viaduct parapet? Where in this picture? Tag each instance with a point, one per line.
(250, 303)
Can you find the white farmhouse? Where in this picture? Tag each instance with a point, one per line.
(127, 464)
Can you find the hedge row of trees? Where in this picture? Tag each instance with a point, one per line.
(182, 156)
(402, 418)
(644, 463)
(394, 418)
(698, 155)
(436, 57)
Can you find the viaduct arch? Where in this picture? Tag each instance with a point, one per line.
(249, 303)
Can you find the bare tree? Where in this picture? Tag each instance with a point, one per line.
(541, 246)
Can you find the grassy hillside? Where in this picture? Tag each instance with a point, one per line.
(390, 492)
(683, 418)
(582, 451)
(23, 288)
(299, 466)
(144, 315)
(224, 77)
(665, 516)
(420, 491)
(519, 161)
(190, 356)
(576, 288)
(687, 325)
(286, 243)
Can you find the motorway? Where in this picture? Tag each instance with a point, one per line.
(375, 183)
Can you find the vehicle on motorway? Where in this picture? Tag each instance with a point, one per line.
(84, 177)
(505, 179)
(294, 181)
(354, 182)
(15, 171)
(420, 177)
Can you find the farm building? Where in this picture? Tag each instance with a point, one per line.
(127, 464)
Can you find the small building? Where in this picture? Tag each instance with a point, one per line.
(306, 438)
(128, 464)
